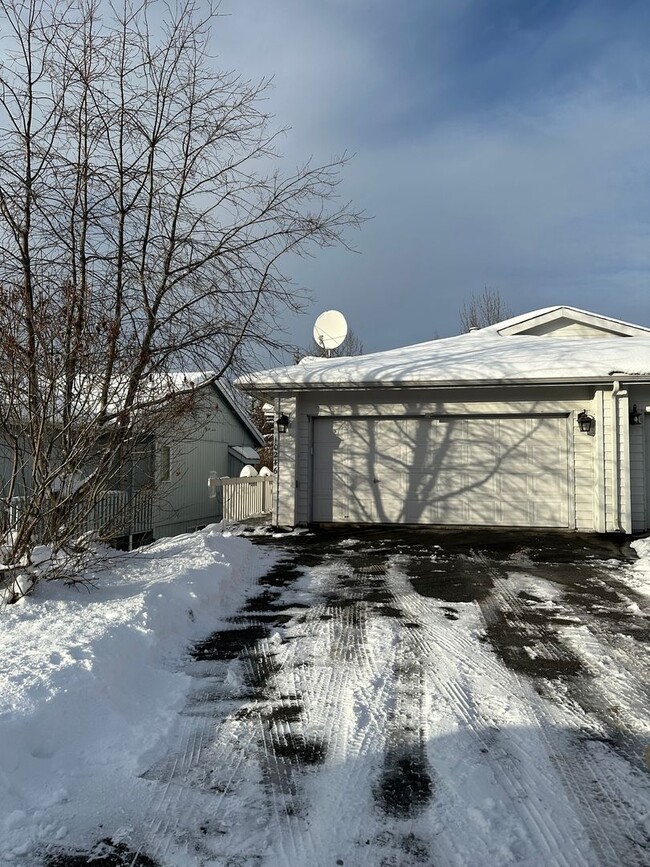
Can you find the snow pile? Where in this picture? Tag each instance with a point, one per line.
(638, 576)
(91, 680)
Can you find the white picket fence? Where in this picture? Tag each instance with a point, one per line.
(245, 498)
(114, 514)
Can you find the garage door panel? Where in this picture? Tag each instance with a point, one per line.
(513, 485)
(496, 471)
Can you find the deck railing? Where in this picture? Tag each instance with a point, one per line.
(243, 498)
(113, 514)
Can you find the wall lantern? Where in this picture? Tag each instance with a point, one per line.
(282, 423)
(584, 421)
(635, 416)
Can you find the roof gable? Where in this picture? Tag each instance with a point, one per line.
(571, 322)
(234, 405)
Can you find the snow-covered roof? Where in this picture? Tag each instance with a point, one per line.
(481, 357)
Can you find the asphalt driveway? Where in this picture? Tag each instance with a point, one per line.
(401, 698)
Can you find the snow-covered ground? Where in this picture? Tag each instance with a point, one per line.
(91, 682)
(358, 702)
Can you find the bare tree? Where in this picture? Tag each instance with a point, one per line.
(144, 227)
(483, 308)
(263, 421)
(352, 345)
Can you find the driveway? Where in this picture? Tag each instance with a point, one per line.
(419, 698)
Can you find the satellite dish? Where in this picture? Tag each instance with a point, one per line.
(330, 329)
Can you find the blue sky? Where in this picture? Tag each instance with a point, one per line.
(503, 143)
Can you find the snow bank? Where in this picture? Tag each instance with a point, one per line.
(638, 576)
(91, 680)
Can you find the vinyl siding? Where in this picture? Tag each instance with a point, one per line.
(640, 461)
(565, 328)
(616, 456)
(201, 446)
(610, 497)
(288, 482)
(583, 477)
(493, 401)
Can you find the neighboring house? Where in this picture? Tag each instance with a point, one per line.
(219, 440)
(479, 429)
(161, 488)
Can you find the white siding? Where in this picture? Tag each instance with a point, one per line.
(620, 483)
(584, 476)
(640, 461)
(616, 473)
(284, 508)
(534, 401)
(610, 458)
(623, 469)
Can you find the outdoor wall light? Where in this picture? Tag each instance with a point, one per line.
(585, 421)
(282, 423)
(635, 416)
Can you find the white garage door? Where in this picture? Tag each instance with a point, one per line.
(499, 471)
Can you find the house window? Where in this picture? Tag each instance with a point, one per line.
(165, 464)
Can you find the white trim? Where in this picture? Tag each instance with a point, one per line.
(623, 477)
(522, 324)
(160, 463)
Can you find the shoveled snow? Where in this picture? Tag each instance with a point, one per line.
(91, 679)
(640, 575)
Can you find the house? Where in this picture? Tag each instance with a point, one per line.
(538, 421)
(161, 485)
(219, 440)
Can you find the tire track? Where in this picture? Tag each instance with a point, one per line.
(596, 800)
(334, 697)
(488, 740)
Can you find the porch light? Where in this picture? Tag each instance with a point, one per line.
(282, 423)
(584, 421)
(635, 416)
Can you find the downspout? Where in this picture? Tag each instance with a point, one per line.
(616, 449)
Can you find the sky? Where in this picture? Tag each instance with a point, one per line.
(498, 143)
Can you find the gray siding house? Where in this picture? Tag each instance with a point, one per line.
(218, 441)
(161, 488)
(539, 421)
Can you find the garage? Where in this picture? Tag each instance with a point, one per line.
(466, 470)
(540, 421)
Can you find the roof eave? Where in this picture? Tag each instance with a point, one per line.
(239, 413)
(283, 388)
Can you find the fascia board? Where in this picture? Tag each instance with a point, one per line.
(607, 323)
(284, 388)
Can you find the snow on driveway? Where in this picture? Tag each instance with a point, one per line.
(393, 699)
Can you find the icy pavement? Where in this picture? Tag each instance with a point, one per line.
(412, 699)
